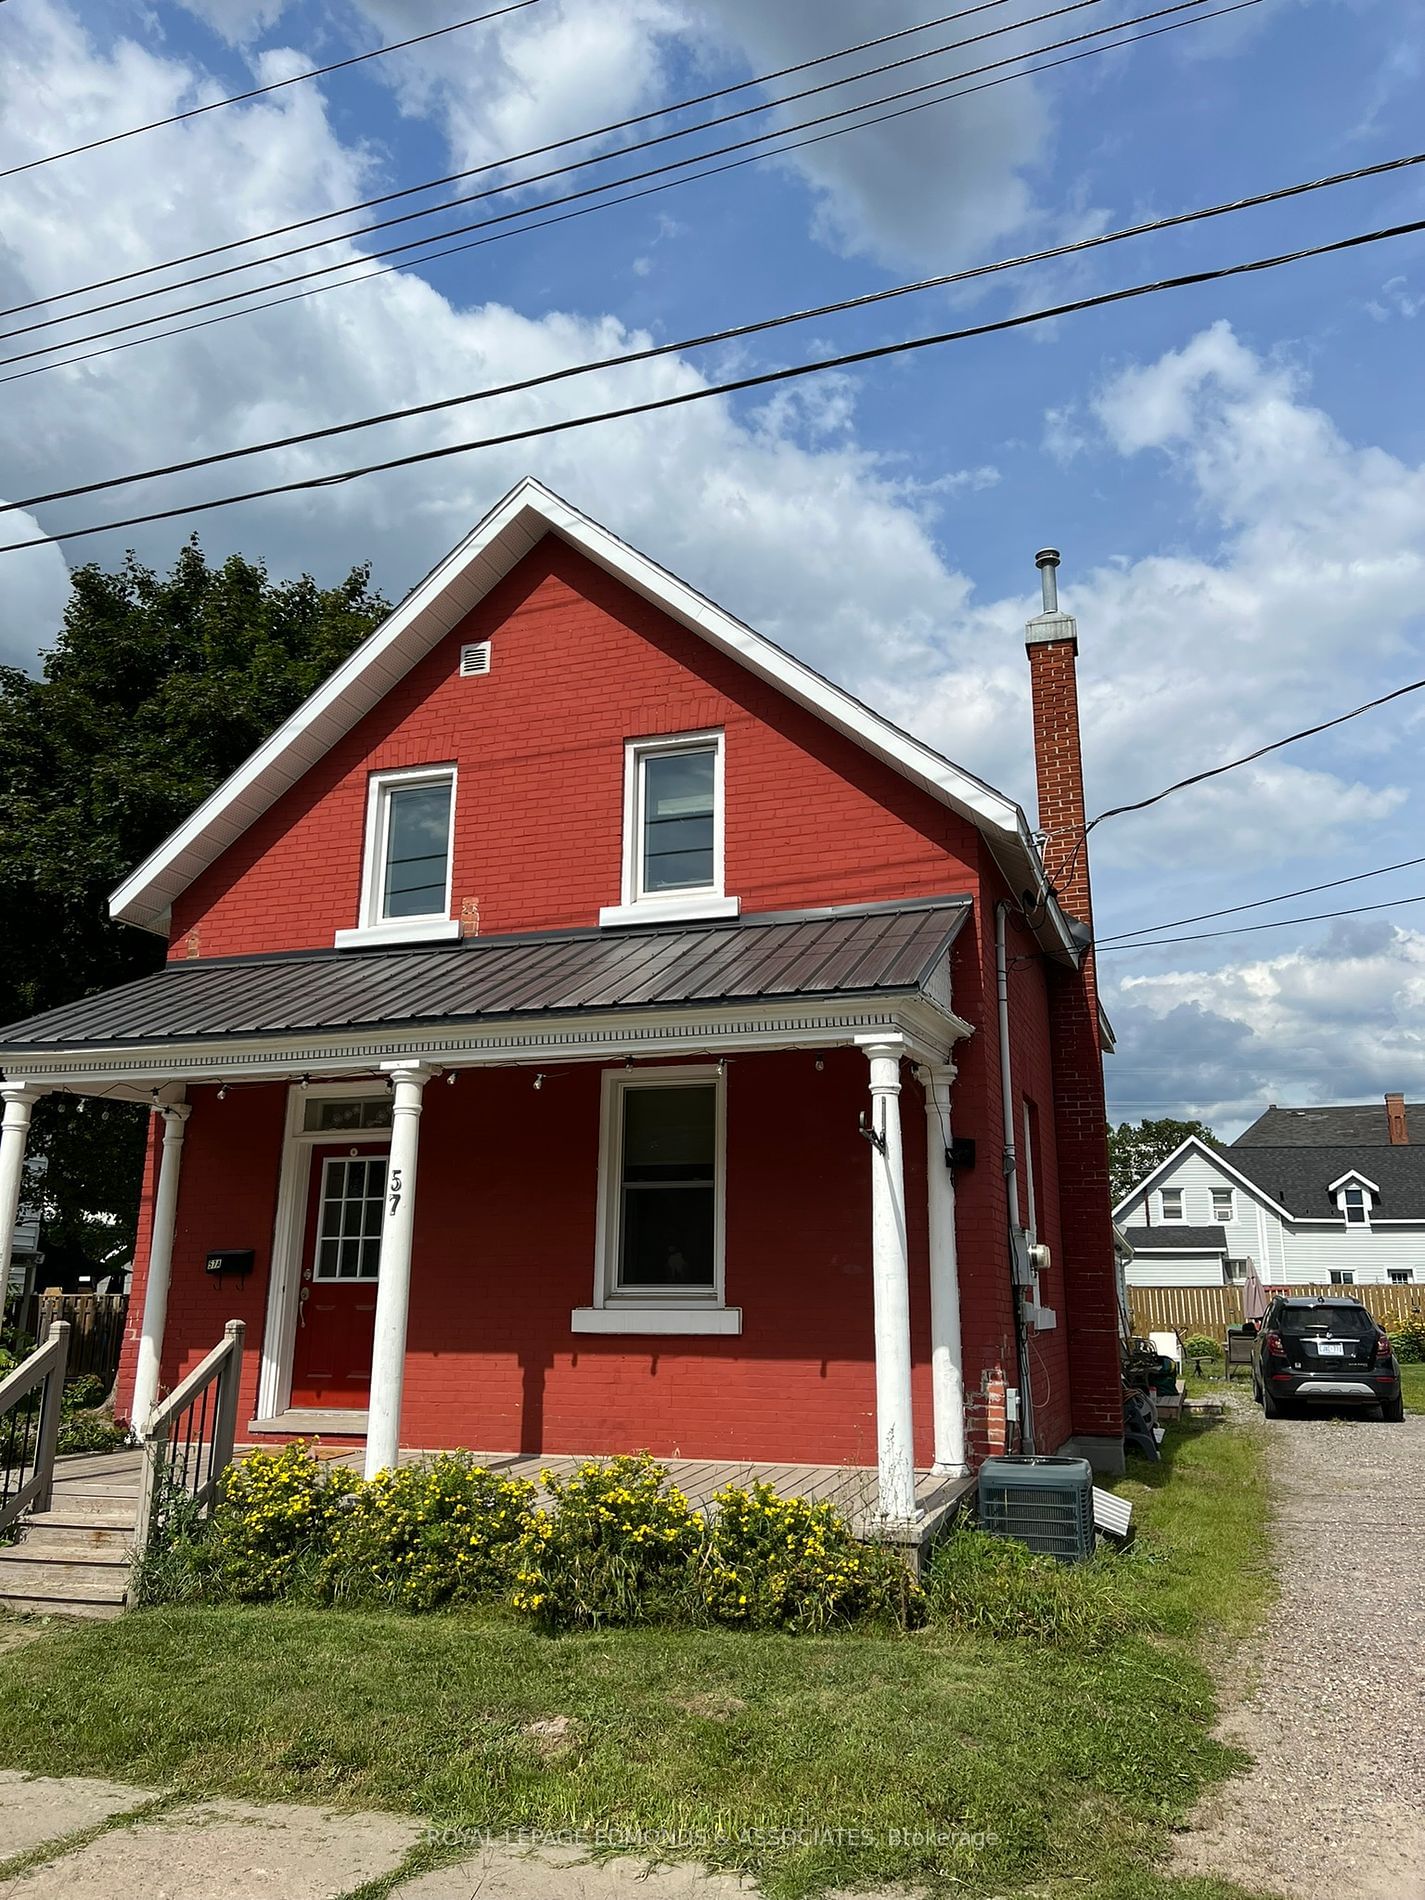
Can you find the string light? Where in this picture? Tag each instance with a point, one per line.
(222, 1092)
(539, 1081)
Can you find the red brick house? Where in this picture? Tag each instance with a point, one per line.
(587, 1029)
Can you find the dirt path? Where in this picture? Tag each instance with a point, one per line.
(1334, 1705)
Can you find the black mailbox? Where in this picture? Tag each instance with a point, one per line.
(229, 1260)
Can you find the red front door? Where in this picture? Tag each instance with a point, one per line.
(336, 1311)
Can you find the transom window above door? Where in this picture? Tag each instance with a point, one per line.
(406, 872)
(672, 830)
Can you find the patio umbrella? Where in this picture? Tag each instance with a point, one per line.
(1254, 1298)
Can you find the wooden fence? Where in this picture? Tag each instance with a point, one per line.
(96, 1328)
(1212, 1309)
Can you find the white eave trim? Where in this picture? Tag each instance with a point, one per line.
(1353, 1178)
(441, 602)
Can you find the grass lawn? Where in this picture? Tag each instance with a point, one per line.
(1058, 1771)
(1412, 1386)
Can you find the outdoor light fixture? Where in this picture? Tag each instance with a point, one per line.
(450, 1079)
(539, 1081)
(873, 1135)
(222, 1092)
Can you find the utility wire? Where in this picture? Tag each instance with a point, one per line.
(1242, 930)
(1282, 897)
(558, 171)
(709, 338)
(256, 92)
(532, 152)
(1216, 771)
(647, 191)
(764, 379)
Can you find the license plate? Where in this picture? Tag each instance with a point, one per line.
(1330, 1349)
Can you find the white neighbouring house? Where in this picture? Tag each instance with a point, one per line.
(1324, 1196)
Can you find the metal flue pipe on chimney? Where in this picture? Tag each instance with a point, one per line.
(1047, 561)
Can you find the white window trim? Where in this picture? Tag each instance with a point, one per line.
(1400, 1276)
(699, 902)
(1173, 1220)
(372, 928)
(645, 1309)
(1363, 1188)
(1230, 1196)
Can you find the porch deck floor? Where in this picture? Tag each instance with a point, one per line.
(851, 1488)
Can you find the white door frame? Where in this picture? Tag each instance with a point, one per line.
(274, 1383)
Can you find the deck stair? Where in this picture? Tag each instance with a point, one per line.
(74, 1558)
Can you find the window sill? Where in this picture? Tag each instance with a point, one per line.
(418, 930)
(656, 1319)
(672, 911)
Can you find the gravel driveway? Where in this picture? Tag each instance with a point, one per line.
(1334, 1709)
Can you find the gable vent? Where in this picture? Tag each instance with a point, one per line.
(475, 660)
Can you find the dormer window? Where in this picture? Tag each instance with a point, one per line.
(406, 871)
(672, 831)
(1355, 1198)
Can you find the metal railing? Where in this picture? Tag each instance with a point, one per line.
(189, 1441)
(29, 1427)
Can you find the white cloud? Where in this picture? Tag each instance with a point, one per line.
(34, 597)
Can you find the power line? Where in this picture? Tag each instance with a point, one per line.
(256, 92)
(587, 210)
(541, 151)
(1308, 732)
(709, 338)
(534, 178)
(764, 379)
(1282, 897)
(1281, 923)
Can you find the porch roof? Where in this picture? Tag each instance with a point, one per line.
(875, 949)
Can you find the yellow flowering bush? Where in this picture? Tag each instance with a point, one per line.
(274, 1520)
(770, 1562)
(426, 1536)
(613, 1546)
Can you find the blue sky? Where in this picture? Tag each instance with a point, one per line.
(1236, 473)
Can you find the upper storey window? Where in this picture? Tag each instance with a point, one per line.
(405, 884)
(672, 830)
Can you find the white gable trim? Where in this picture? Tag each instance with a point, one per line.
(1353, 1177)
(441, 601)
(1217, 1158)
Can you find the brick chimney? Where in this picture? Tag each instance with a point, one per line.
(1080, 1120)
(1395, 1121)
(1052, 638)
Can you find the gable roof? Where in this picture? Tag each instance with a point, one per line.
(443, 599)
(1302, 1178)
(1351, 1126)
(1218, 1157)
(1173, 1238)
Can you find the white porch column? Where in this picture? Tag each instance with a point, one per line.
(19, 1099)
(160, 1264)
(890, 1276)
(393, 1288)
(947, 1376)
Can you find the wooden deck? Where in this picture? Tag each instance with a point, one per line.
(851, 1488)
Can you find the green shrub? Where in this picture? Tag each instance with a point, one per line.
(90, 1431)
(996, 1586)
(180, 1563)
(83, 1394)
(427, 1535)
(1407, 1339)
(770, 1562)
(274, 1522)
(1202, 1346)
(613, 1547)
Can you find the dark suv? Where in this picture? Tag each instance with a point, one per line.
(1324, 1352)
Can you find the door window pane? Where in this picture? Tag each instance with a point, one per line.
(678, 798)
(349, 1225)
(417, 850)
(667, 1215)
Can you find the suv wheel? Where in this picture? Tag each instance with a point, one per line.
(1393, 1410)
(1270, 1407)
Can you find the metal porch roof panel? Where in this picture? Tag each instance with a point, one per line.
(858, 950)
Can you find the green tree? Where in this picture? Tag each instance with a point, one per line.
(1136, 1148)
(157, 687)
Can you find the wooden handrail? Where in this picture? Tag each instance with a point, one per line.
(223, 1368)
(45, 1366)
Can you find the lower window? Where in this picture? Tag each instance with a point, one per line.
(1400, 1276)
(1342, 1277)
(662, 1187)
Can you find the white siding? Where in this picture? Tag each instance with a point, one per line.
(1284, 1253)
(1189, 1269)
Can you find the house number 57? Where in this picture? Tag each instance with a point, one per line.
(395, 1192)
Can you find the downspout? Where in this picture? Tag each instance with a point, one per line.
(1011, 1177)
